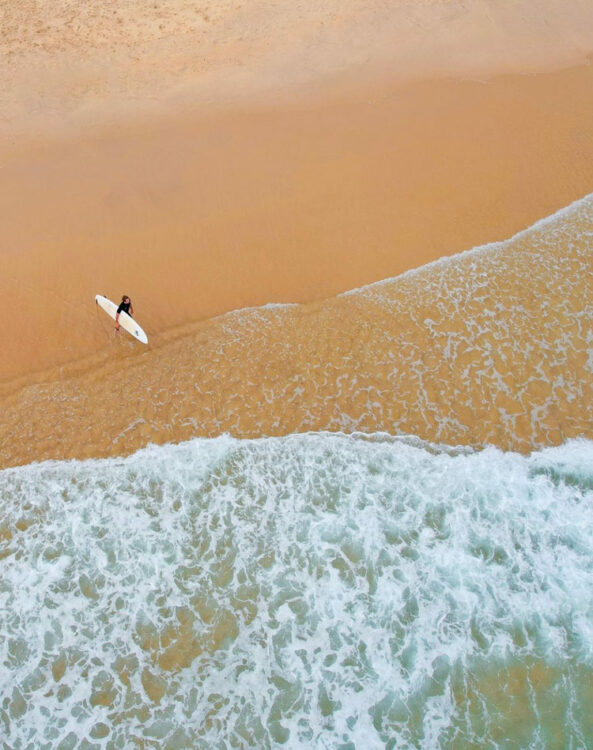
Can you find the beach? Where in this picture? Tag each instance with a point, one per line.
(203, 216)
(342, 498)
(330, 182)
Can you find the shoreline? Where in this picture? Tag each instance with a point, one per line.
(201, 216)
(76, 368)
(422, 354)
(212, 162)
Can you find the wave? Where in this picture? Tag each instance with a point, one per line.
(315, 590)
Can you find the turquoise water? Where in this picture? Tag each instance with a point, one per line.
(316, 590)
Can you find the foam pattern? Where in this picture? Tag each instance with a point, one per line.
(314, 590)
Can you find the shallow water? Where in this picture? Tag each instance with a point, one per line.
(313, 590)
(491, 346)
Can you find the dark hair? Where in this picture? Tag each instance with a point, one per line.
(124, 297)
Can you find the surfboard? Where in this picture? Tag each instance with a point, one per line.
(126, 321)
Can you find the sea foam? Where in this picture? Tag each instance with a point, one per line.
(316, 590)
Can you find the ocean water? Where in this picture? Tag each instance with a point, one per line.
(309, 591)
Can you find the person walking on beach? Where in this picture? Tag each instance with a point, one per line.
(124, 306)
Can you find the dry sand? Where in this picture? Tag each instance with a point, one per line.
(71, 63)
(203, 158)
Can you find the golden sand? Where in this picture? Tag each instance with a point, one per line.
(493, 346)
(70, 64)
(199, 216)
(204, 158)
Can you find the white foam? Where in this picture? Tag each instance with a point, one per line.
(314, 590)
(578, 207)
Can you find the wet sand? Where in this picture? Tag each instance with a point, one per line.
(492, 346)
(198, 216)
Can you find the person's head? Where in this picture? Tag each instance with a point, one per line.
(125, 298)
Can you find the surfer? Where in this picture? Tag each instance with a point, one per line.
(124, 306)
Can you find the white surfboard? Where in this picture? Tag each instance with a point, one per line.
(126, 321)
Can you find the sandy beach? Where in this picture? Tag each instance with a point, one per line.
(70, 66)
(208, 159)
(344, 495)
(488, 347)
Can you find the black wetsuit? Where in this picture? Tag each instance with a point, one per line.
(124, 307)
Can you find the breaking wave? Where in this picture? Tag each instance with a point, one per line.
(315, 590)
